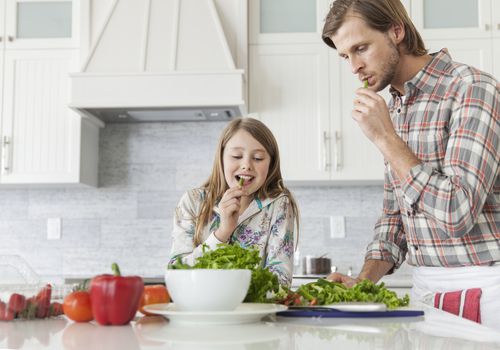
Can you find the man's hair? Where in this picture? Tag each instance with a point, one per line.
(379, 15)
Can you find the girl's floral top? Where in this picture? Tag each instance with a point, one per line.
(268, 224)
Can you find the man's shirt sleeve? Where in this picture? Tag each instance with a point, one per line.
(454, 195)
(389, 242)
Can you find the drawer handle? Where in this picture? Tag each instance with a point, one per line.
(6, 155)
(326, 163)
(338, 150)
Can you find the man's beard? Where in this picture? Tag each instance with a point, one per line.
(389, 67)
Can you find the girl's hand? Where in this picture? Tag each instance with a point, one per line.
(229, 207)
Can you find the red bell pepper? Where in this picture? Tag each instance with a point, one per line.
(115, 298)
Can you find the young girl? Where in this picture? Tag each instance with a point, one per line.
(243, 202)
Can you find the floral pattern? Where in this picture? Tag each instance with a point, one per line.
(268, 224)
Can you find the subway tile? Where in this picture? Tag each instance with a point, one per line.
(136, 233)
(157, 204)
(91, 203)
(13, 203)
(137, 176)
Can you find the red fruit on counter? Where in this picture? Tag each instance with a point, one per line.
(115, 298)
(43, 301)
(3, 307)
(5, 313)
(17, 302)
(153, 294)
(77, 306)
(56, 309)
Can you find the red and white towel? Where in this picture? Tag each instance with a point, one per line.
(481, 301)
(464, 303)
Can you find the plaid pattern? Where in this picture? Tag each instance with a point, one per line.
(446, 212)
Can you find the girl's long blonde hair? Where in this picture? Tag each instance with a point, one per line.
(216, 185)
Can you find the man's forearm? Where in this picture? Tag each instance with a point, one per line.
(374, 270)
(398, 154)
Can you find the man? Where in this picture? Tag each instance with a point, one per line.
(440, 140)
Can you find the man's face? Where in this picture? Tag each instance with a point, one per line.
(373, 55)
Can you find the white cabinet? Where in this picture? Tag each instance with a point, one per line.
(496, 54)
(452, 19)
(495, 15)
(354, 156)
(289, 91)
(469, 31)
(43, 141)
(300, 90)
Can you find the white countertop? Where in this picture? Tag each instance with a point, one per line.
(436, 330)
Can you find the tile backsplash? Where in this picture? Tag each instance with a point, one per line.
(144, 169)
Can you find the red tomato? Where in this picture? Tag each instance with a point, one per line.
(77, 307)
(153, 294)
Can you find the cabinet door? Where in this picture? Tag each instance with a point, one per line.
(495, 10)
(496, 55)
(286, 21)
(354, 157)
(451, 19)
(476, 52)
(41, 23)
(41, 135)
(289, 92)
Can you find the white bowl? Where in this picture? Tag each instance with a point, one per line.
(207, 289)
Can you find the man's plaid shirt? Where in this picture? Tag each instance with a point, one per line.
(446, 212)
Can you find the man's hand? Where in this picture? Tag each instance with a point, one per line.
(371, 112)
(344, 279)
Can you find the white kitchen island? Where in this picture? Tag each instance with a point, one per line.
(436, 330)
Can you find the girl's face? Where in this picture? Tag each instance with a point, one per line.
(244, 157)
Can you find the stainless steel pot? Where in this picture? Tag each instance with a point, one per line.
(316, 265)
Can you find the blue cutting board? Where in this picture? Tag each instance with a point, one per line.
(346, 314)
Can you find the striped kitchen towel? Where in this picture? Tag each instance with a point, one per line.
(463, 303)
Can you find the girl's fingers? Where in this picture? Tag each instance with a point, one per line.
(229, 202)
(233, 204)
(233, 193)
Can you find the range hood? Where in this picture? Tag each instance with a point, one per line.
(159, 60)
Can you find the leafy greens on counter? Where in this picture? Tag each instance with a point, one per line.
(264, 285)
(324, 292)
(265, 288)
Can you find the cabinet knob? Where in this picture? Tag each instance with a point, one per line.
(10, 38)
(498, 26)
(486, 27)
(1, 39)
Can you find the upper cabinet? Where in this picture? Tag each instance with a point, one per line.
(43, 141)
(469, 31)
(300, 88)
(286, 21)
(463, 19)
(45, 24)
